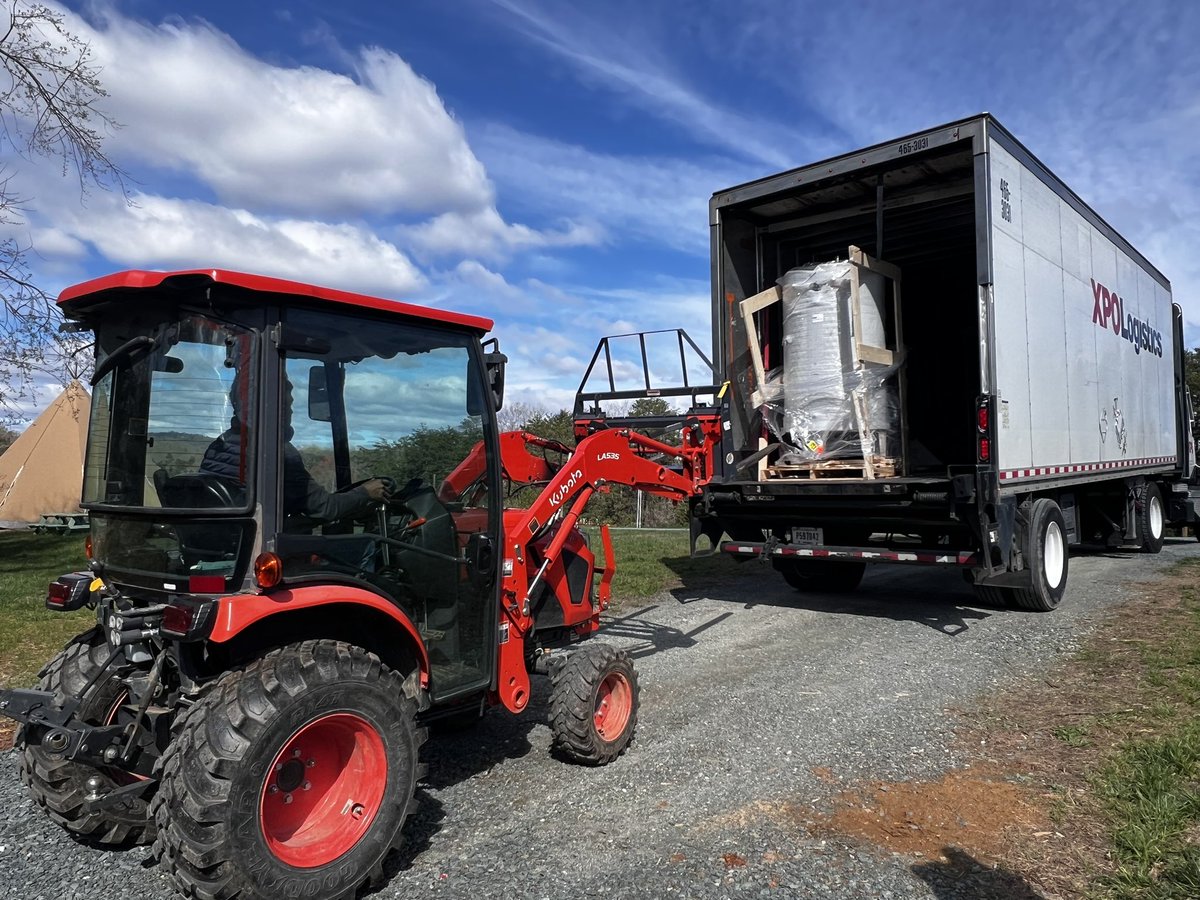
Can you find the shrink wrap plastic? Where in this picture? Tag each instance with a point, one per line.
(833, 406)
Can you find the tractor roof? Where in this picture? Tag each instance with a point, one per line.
(129, 282)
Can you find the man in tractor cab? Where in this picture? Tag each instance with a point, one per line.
(302, 494)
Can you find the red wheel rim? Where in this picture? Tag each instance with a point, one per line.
(614, 701)
(323, 790)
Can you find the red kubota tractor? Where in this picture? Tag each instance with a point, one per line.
(301, 556)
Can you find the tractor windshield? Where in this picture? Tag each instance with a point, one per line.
(168, 390)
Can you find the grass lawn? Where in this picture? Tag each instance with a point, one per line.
(647, 562)
(651, 561)
(29, 633)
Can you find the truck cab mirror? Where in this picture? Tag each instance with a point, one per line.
(318, 395)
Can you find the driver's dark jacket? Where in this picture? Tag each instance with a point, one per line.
(301, 494)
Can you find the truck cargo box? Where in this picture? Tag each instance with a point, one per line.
(1039, 361)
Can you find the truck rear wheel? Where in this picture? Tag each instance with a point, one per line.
(1046, 557)
(821, 577)
(59, 786)
(1151, 519)
(298, 770)
(594, 704)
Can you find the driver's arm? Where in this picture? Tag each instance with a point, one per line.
(302, 494)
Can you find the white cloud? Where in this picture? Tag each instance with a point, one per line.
(484, 233)
(639, 199)
(298, 140)
(633, 64)
(160, 232)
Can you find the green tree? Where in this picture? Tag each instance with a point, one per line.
(7, 436)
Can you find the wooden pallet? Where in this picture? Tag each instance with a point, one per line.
(884, 467)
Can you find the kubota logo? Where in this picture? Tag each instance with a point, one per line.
(561, 492)
(1108, 312)
(609, 455)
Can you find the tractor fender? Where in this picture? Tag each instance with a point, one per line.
(238, 612)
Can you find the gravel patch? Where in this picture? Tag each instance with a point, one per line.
(758, 706)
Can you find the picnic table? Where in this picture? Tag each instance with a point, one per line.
(61, 523)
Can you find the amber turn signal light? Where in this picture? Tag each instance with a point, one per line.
(268, 570)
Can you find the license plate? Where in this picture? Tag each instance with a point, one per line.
(808, 537)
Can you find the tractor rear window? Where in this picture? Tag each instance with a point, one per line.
(172, 418)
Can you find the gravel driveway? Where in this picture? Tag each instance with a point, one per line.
(747, 688)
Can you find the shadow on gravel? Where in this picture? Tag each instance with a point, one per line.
(962, 875)
(904, 595)
(423, 823)
(652, 637)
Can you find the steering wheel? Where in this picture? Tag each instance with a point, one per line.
(386, 479)
(219, 488)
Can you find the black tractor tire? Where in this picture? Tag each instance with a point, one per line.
(820, 577)
(1151, 519)
(1046, 557)
(58, 785)
(250, 803)
(594, 704)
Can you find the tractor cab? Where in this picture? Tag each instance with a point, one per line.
(237, 418)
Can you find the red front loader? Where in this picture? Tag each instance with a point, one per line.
(301, 554)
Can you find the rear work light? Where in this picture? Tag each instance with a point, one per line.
(69, 592)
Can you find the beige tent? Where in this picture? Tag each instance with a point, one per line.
(42, 472)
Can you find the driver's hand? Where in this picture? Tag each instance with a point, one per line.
(377, 489)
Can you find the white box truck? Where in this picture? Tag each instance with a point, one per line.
(1035, 356)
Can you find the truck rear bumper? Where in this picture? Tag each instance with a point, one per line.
(919, 557)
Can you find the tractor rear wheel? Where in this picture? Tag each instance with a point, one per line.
(298, 770)
(60, 786)
(594, 704)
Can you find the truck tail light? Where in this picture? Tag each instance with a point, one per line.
(983, 428)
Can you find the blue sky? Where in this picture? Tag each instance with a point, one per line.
(549, 164)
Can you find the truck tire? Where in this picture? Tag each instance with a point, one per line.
(1046, 558)
(295, 772)
(594, 704)
(821, 577)
(1151, 519)
(59, 785)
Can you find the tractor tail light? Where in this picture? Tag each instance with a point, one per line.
(268, 570)
(69, 592)
(188, 620)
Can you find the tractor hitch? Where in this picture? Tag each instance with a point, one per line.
(56, 730)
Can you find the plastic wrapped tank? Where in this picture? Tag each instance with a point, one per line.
(821, 372)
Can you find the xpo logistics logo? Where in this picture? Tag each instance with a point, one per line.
(1109, 313)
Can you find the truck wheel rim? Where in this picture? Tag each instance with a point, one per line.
(323, 790)
(1053, 556)
(614, 701)
(1156, 518)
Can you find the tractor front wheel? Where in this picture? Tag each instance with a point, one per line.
(298, 770)
(594, 704)
(61, 786)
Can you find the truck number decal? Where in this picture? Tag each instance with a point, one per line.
(910, 146)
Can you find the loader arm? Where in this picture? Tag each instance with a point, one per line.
(600, 460)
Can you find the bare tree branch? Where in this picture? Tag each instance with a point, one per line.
(50, 95)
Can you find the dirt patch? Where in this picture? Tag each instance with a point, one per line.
(970, 809)
(8, 733)
(1023, 813)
